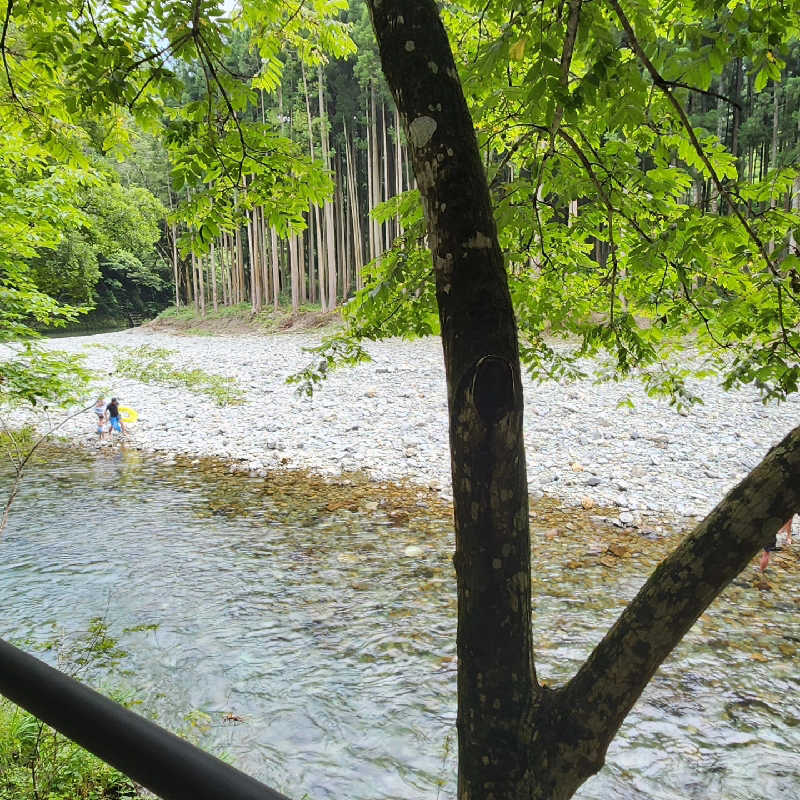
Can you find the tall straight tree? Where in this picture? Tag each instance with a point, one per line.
(330, 234)
(518, 738)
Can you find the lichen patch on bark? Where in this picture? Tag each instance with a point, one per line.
(421, 129)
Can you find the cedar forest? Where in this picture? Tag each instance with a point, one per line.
(621, 176)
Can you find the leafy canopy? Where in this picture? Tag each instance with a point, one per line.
(584, 106)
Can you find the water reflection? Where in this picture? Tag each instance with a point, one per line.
(336, 648)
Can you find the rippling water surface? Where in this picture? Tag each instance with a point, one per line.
(336, 648)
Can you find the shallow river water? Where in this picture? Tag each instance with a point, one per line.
(313, 625)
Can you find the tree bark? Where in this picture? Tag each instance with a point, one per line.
(174, 232)
(387, 227)
(295, 268)
(330, 235)
(375, 181)
(212, 276)
(497, 690)
(398, 165)
(276, 279)
(352, 195)
(518, 739)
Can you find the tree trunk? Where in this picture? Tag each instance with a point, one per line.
(330, 234)
(311, 286)
(375, 182)
(320, 249)
(265, 263)
(398, 164)
(253, 270)
(201, 289)
(497, 689)
(773, 151)
(223, 259)
(301, 264)
(355, 211)
(174, 230)
(276, 276)
(342, 264)
(518, 739)
(194, 280)
(737, 111)
(212, 276)
(294, 268)
(387, 227)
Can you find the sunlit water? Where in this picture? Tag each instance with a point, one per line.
(336, 649)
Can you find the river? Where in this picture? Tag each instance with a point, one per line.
(329, 633)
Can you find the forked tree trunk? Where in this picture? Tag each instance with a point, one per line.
(518, 739)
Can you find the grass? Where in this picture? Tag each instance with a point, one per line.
(240, 319)
(38, 763)
(152, 365)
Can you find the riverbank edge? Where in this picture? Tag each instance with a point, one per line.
(401, 499)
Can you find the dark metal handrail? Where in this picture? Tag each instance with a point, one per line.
(160, 761)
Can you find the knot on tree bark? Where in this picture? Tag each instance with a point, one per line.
(493, 389)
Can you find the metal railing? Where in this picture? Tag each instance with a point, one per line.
(157, 759)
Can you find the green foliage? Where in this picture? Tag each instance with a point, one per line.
(36, 762)
(335, 351)
(152, 365)
(603, 135)
(115, 248)
(34, 375)
(398, 298)
(83, 88)
(644, 268)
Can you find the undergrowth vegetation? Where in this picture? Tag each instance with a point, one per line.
(153, 365)
(37, 762)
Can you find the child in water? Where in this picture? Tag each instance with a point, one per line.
(100, 411)
(114, 418)
(785, 529)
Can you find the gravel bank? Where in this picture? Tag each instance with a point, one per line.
(389, 418)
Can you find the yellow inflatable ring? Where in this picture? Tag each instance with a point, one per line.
(128, 415)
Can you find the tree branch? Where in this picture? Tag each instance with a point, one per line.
(664, 86)
(604, 690)
(20, 465)
(708, 92)
(566, 60)
(6, 21)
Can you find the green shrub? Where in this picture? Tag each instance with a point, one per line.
(152, 365)
(37, 763)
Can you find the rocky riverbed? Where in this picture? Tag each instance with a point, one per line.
(389, 418)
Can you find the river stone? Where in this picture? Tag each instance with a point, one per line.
(686, 464)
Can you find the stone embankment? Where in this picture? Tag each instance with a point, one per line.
(389, 418)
